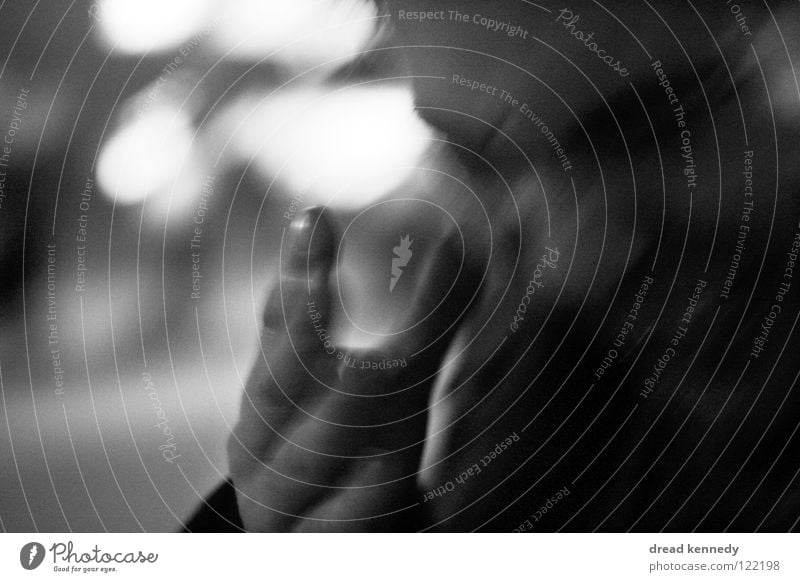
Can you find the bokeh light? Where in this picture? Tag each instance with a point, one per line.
(145, 156)
(143, 25)
(301, 33)
(346, 147)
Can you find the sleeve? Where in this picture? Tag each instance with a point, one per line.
(217, 513)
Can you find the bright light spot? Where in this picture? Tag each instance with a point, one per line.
(146, 156)
(346, 148)
(142, 25)
(304, 32)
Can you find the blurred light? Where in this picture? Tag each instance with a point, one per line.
(142, 25)
(346, 148)
(304, 33)
(145, 156)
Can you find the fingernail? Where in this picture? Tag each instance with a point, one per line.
(310, 239)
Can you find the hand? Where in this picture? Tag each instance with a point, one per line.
(330, 438)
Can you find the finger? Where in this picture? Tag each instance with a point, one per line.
(299, 304)
(296, 352)
(391, 384)
(287, 374)
(444, 289)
